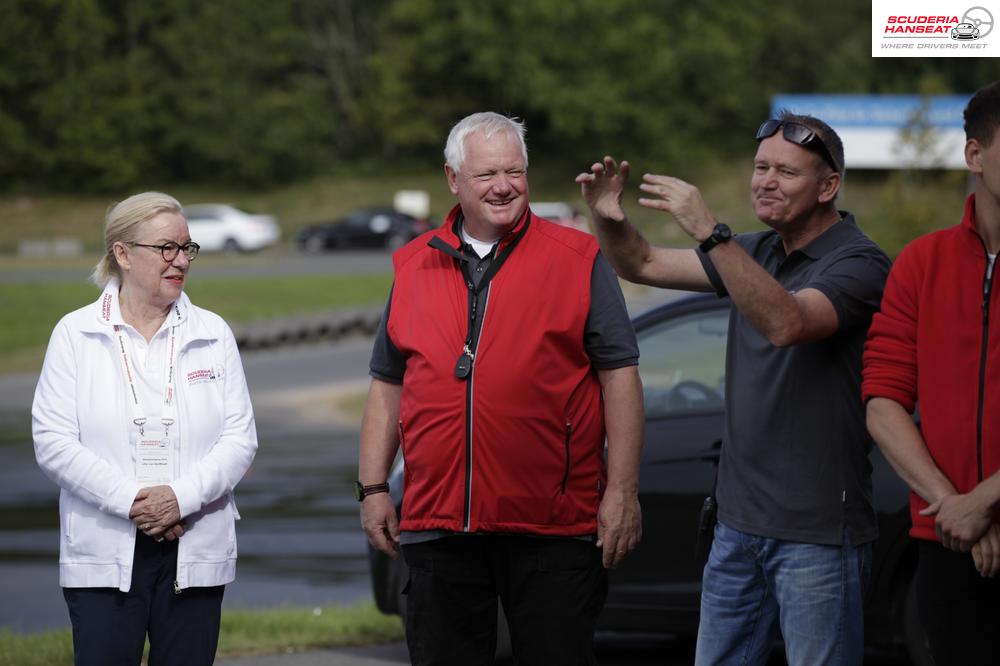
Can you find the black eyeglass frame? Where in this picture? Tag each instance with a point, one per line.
(798, 134)
(190, 249)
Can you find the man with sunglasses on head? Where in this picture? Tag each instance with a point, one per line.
(792, 545)
(936, 343)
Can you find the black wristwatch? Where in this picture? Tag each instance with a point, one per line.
(720, 234)
(362, 491)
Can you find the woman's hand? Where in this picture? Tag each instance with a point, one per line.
(156, 513)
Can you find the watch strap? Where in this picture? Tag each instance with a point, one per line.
(362, 491)
(720, 234)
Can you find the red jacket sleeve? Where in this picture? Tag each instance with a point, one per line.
(890, 358)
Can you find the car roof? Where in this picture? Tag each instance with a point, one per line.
(690, 302)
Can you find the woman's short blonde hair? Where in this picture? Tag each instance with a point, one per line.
(123, 224)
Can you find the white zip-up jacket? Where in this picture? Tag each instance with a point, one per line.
(81, 421)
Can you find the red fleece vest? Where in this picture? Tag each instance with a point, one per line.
(517, 446)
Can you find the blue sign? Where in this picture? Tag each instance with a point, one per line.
(876, 111)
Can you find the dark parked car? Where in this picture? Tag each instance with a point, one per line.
(367, 227)
(657, 589)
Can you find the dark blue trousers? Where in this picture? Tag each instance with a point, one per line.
(552, 592)
(110, 626)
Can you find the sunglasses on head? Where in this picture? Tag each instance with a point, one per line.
(798, 134)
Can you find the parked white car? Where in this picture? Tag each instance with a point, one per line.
(225, 228)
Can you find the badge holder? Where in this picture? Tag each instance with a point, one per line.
(154, 452)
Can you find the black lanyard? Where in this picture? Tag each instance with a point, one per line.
(463, 367)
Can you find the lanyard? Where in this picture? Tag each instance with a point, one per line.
(169, 404)
(463, 367)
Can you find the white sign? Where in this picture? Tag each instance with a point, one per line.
(889, 131)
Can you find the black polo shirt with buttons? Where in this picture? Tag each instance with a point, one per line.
(795, 447)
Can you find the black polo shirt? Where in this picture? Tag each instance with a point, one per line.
(795, 447)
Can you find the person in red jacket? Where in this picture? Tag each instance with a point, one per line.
(936, 344)
(504, 360)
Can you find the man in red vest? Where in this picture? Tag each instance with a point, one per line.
(504, 360)
(936, 342)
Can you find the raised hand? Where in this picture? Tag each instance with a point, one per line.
(680, 199)
(602, 188)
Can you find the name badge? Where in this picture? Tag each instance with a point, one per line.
(154, 458)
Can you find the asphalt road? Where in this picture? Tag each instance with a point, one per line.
(612, 650)
(281, 260)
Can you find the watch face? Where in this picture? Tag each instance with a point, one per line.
(359, 491)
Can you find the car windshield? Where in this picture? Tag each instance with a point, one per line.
(683, 363)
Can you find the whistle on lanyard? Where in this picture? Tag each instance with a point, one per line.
(463, 367)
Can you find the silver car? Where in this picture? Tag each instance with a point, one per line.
(225, 228)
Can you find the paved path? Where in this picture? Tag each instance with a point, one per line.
(376, 655)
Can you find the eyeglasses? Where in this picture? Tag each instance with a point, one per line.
(169, 250)
(798, 134)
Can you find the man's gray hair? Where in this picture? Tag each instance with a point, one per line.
(486, 123)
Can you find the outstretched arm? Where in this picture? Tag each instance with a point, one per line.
(783, 318)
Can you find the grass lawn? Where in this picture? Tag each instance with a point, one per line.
(242, 633)
(31, 310)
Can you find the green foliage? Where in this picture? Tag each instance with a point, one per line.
(915, 203)
(112, 95)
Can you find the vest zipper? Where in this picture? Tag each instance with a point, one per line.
(569, 432)
(987, 290)
(467, 510)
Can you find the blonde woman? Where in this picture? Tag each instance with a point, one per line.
(143, 419)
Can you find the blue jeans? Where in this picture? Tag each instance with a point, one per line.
(753, 585)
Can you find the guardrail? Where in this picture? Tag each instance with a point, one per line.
(311, 327)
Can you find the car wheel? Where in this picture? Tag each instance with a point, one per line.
(231, 246)
(913, 632)
(504, 653)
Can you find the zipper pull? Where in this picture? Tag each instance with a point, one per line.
(463, 367)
